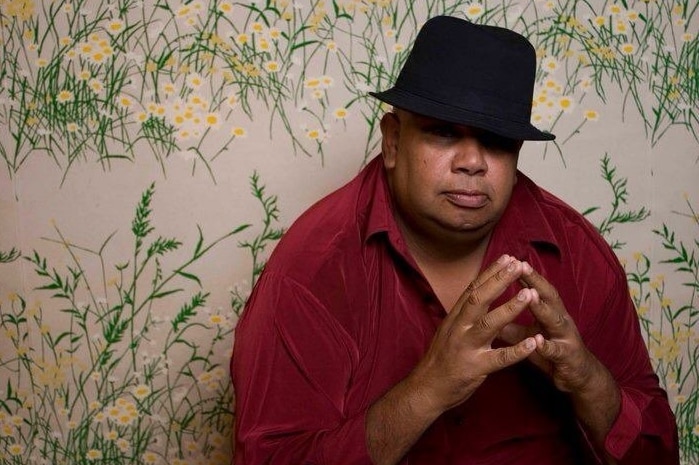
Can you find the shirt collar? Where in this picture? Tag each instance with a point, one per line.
(377, 199)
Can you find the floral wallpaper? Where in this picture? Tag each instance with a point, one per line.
(153, 152)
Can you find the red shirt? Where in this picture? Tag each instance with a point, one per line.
(342, 313)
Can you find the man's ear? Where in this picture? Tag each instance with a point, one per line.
(390, 132)
(519, 147)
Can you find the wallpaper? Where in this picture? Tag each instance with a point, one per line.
(153, 152)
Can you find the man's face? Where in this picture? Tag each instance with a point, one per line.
(448, 181)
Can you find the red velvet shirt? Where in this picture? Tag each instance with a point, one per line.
(342, 313)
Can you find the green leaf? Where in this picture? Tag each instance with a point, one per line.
(590, 210)
(160, 295)
(188, 310)
(140, 226)
(189, 276)
(303, 44)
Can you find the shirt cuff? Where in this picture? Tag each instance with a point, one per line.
(625, 429)
(347, 444)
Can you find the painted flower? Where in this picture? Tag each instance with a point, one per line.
(312, 83)
(96, 85)
(212, 120)
(15, 449)
(64, 96)
(124, 101)
(340, 113)
(195, 80)
(123, 445)
(225, 7)
(141, 117)
(315, 134)
(271, 66)
(474, 10)
(115, 26)
(566, 104)
(93, 454)
(627, 48)
(168, 88)
(620, 27)
(549, 64)
(257, 28)
(232, 100)
(615, 9)
(591, 115)
(150, 458)
(600, 21)
(239, 132)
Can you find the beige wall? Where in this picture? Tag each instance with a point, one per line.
(96, 366)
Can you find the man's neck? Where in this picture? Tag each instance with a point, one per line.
(448, 264)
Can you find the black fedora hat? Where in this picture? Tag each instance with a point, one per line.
(470, 74)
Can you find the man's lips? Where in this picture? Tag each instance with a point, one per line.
(467, 198)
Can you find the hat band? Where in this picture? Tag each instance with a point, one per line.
(475, 102)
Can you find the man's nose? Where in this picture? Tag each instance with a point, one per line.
(469, 157)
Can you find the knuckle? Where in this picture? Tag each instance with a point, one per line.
(485, 324)
(503, 358)
(474, 298)
(513, 307)
(554, 296)
(502, 275)
(562, 321)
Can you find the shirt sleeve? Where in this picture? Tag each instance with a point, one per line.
(291, 366)
(645, 431)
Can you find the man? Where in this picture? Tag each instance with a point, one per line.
(441, 308)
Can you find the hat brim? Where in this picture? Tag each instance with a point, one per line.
(425, 106)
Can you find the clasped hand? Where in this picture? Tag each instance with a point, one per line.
(461, 355)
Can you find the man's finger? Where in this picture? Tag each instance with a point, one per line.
(483, 276)
(486, 274)
(551, 351)
(546, 306)
(475, 303)
(506, 356)
(492, 323)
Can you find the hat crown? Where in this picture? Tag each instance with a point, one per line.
(478, 75)
(498, 64)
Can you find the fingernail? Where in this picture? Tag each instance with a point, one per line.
(522, 295)
(504, 259)
(512, 265)
(530, 343)
(527, 268)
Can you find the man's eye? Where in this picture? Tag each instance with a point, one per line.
(494, 141)
(443, 131)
